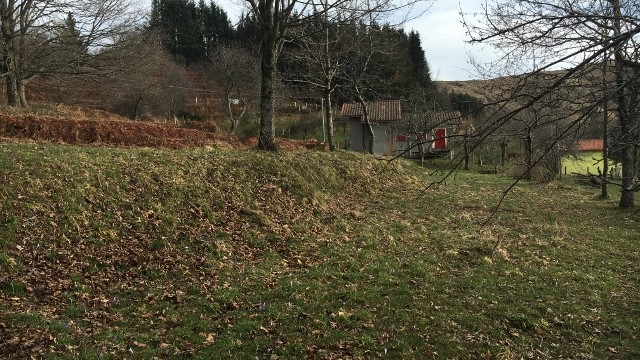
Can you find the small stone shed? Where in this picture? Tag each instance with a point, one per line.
(383, 117)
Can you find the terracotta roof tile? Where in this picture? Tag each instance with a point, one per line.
(589, 145)
(435, 119)
(379, 111)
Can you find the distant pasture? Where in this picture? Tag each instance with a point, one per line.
(585, 163)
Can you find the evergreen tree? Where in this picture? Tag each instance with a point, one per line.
(247, 31)
(70, 34)
(420, 67)
(216, 26)
(466, 104)
(154, 16)
(69, 45)
(190, 32)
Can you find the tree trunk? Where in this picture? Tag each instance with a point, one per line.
(328, 86)
(627, 121)
(628, 176)
(503, 152)
(605, 126)
(372, 135)
(8, 27)
(267, 136)
(369, 127)
(134, 114)
(12, 90)
(529, 150)
(329, 116)
(421, 150)
(605, 140)
(234, 123)
(11, 80)
(268, 62)
(466, 152)
(22, 94)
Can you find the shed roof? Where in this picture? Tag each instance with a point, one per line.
(589, 145)
(379, 111)
(436, 119)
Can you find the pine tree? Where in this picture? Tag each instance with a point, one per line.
(69, 44)
(421, 71)
(154, 16)
(190, 31)
(247, 31)
(69, 34)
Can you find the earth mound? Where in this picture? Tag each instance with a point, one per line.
(79, 126)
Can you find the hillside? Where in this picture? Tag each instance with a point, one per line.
(118, 253)
(501, 88)
(479, 89)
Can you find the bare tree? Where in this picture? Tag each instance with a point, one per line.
(32, 34)
(235, 69)
(359, 76)
(323, 46)
(534, 37)
(147, 82)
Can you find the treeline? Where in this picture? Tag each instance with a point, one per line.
(193, 33)
(188, 49)
(396, 65)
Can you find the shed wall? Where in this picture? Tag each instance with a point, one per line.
(355, 135)
(359, 138)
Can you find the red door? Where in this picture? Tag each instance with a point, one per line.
(440, 139)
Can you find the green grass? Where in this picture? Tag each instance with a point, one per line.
(584, 163)
(139, 253)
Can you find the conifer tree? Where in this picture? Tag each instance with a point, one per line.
(190, 31)
(421, 71)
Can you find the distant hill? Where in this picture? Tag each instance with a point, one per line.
(494, 89)
(475, 88)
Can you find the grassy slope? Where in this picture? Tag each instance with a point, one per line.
(114, 253)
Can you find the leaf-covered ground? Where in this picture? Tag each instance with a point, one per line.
(140, 253)
(63, 124)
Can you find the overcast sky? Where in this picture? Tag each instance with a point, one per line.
(443, 37)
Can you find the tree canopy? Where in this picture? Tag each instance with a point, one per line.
(190, 31)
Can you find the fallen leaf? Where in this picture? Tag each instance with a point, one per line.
(209, 339)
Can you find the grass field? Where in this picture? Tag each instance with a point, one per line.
(140, 253)
(584, 163)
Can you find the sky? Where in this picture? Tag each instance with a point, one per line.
(441, 32)
(444, 40)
